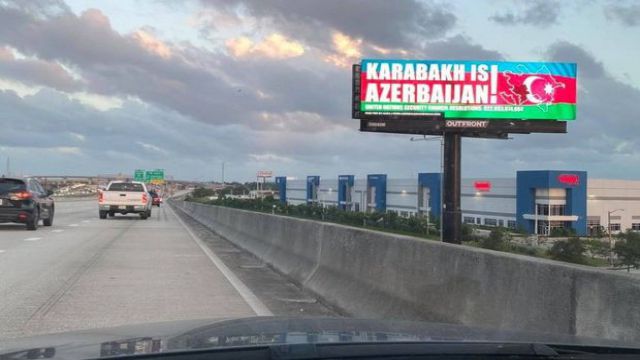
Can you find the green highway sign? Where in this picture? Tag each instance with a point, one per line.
(149, 176)
(157, 174)
(138, 175)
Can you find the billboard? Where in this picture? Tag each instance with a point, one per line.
(467, 89)
(264, 173)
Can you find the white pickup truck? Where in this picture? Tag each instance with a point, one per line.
(124, 197)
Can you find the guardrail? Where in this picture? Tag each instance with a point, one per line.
(379, 275)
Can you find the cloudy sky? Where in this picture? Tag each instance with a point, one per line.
(95, 87)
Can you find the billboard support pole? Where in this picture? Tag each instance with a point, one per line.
(451, 214)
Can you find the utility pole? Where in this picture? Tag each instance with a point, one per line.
(451, 214)
(8, 169)
(223, 173)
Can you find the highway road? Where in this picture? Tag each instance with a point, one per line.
(84, 272)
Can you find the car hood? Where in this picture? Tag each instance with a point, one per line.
(217, 333)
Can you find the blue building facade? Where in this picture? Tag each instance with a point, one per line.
(536, 201)
(433, 183)
(281, 182)
(313, 183)
(345, 186)
(377, 192)
(551, 198)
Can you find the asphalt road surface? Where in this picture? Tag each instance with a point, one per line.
(84, 273)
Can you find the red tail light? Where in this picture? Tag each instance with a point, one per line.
(100, 196)
(20, 195)
(144, 198)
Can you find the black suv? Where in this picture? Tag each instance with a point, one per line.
(24, 200)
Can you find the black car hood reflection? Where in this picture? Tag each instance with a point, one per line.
(204, 334)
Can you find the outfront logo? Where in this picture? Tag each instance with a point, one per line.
(477, 124)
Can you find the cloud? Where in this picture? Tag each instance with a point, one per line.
(78, 136)
(214, 18)
(71, 150)
(603, 135)
(268, 158)
(118, 65)
(97, 101)
(240, 47)
(39, 8)
(297, 121)
(6, 54)
(389, 24)
(85, 40)
(459, 47)
(145, 102)
(118, 139)
(208, 86)
(36, 72)
(346, 50)
(588, 66)
(274, 46)
(626, 14)
(533, 12)
(387, 51)
(152, 44)
(151, 147)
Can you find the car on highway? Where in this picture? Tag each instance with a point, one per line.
(125, 197)
(25, 201)
(156, 199)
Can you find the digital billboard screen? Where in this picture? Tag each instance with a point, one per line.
(466, 89)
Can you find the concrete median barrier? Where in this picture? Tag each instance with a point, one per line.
(379, 275)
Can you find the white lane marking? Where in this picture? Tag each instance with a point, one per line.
(74, 225)
(57, 231)
(86, 221)
(32, 239)
(247, 295)
(1, 251)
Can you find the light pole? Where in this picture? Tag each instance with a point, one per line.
(609, 231)
(441, 139)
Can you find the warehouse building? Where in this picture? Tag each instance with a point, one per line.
(535, 201)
